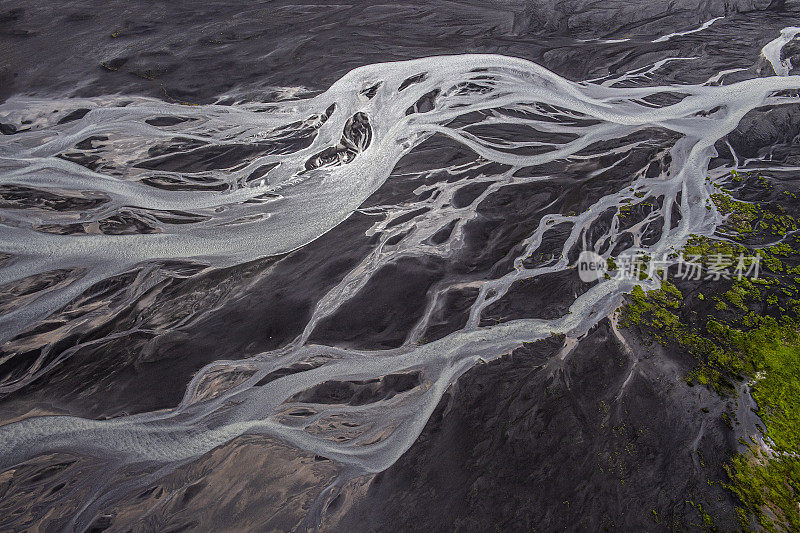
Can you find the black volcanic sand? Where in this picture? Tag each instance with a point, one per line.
(252, 483)
(523, 443)
(195, 52)
(603, 439)
(238, 312)
(597, 441)
(229, 314)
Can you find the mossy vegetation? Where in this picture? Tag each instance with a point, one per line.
(743, 330)
(767, 486)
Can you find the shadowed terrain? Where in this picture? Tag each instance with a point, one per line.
(285, 266)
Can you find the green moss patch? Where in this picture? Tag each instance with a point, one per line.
(747, 329)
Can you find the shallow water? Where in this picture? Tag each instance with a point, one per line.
(321, 266)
